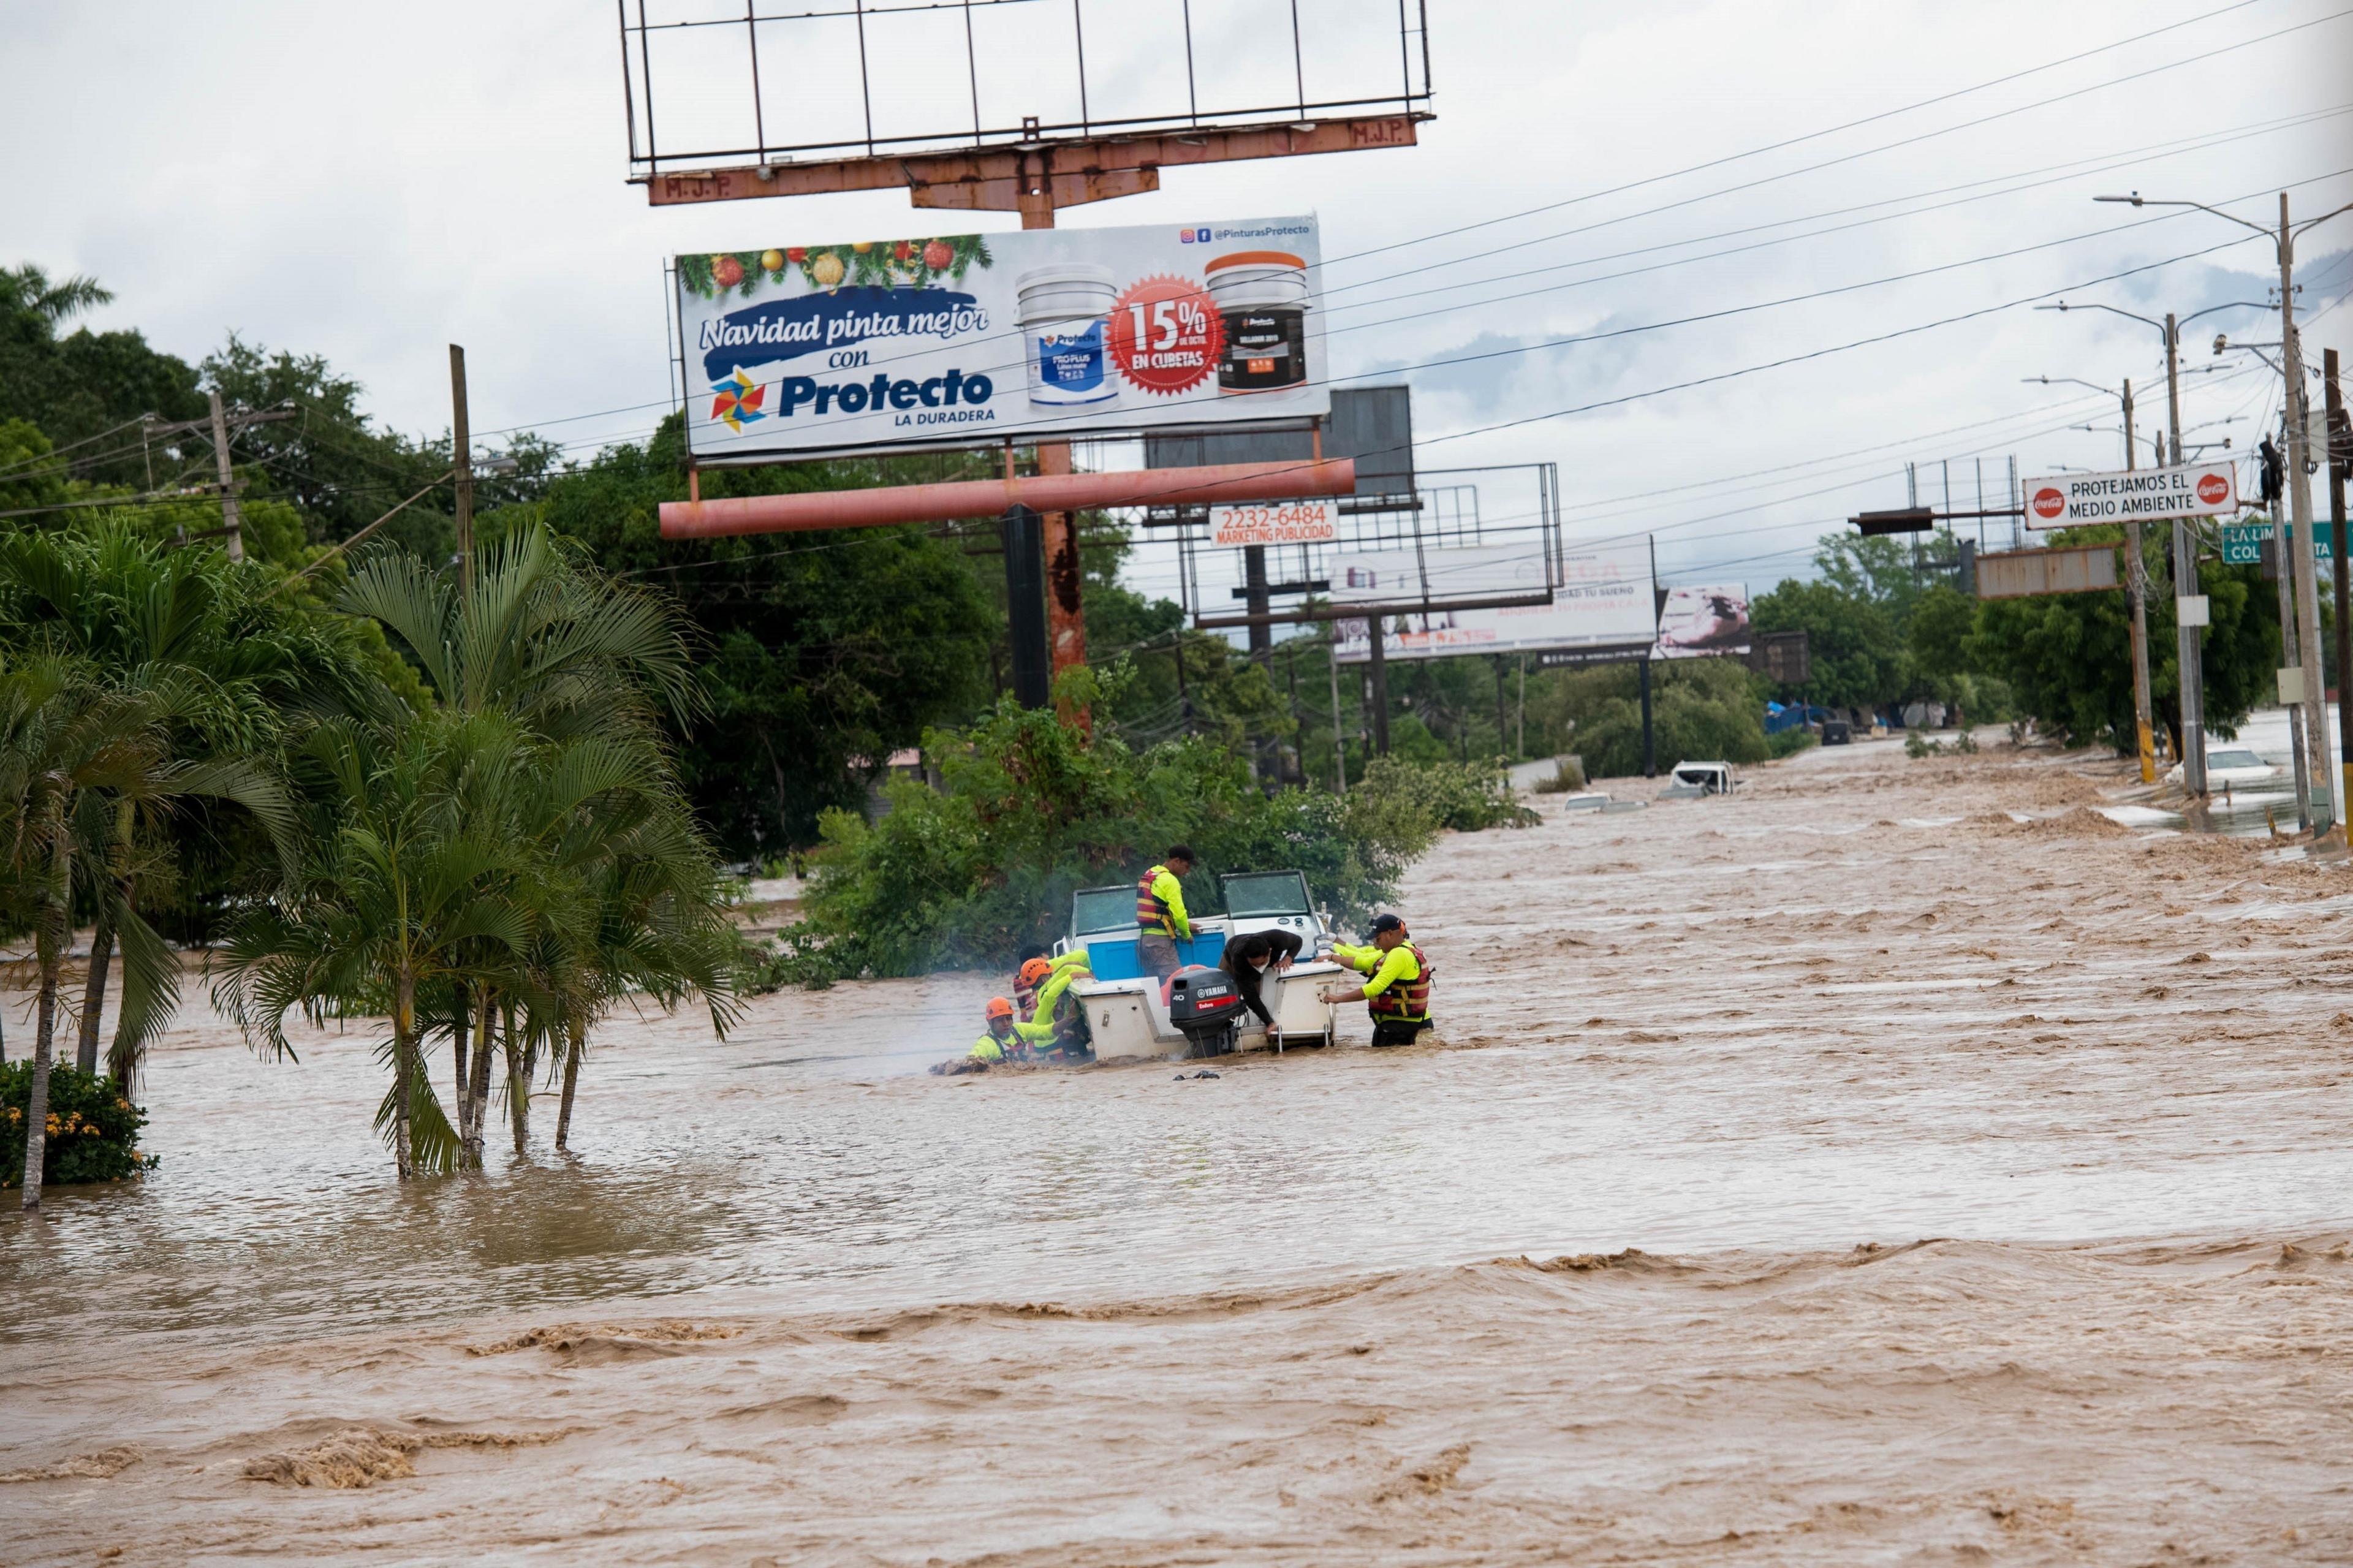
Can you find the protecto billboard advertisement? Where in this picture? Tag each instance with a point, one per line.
(2189, 489)
(970, 338)
(1604, 602)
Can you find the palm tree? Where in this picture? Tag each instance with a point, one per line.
(75, 751)
(517, 859)
(236, 663)
(25, 291)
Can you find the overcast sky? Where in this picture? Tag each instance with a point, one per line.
(373, 183)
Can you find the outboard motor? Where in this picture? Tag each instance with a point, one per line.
(1203, 1004)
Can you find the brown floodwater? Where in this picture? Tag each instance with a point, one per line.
(1847, 1171)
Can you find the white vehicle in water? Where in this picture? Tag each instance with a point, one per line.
(1693, 780)
(1128, 1016)
(2232, 767)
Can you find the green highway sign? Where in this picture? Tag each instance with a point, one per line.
(2242, 543)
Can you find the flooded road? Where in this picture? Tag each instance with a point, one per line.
(1845, 1171)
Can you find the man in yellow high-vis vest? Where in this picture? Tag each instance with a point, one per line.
(1160, 919)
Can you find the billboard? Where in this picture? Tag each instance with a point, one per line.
(1274, 523)
(2190, 489)
(970, 338)
(1604, 601)
(1696, 622)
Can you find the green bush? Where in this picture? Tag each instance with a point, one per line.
(1567, 777)
(1789, 743)
(1029, 809)
(93, 1133)
(1468, 797)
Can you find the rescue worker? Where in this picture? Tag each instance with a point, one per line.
(1160, 920)
(1248, 960)
(993, 1045)
(1398, 994)
(1060, 1022)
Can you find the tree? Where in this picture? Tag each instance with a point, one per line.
(238, 661)
(822, 653)
(2067, 656)
(1856, 651)
(76, 749)
(510, 861)
(86, 392)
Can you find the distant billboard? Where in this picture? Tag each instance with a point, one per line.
(964, 340)
(2189, 489)
(1603, 602)
(1696, 622)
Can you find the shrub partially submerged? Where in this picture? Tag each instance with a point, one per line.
(93, 1128)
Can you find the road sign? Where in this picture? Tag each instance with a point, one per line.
(1274, 523)
(2242, 543)
(2190, 489)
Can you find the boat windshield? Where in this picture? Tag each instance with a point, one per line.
(1267, 893)
(1101, 909)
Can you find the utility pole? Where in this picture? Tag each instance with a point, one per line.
(2340, 459)
(2307, 556)
(462, 452)
(2291, 658)
(1650, 740)
(2191, 676)
(1379, 626)
(232, 521)
(2136, 581)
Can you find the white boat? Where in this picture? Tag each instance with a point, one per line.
(1126, 1015)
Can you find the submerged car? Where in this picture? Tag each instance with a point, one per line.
(2231, 767)
(1692, 781)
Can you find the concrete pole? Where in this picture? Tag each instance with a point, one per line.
(232, 521)
(2291, 657)
(2338, 461)
(2308, 557)
(2136, 586)
(2191, 677)
(1379, 666)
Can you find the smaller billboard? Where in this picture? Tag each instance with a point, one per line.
(1400, 576)
(1274, 523)
(2189, 489)
(1696, 622)
(1604, 601)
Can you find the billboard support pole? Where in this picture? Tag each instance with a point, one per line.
(1340, 740)
(1378, 630)
(1066, 616)
(1025, 608)
(1649, 740)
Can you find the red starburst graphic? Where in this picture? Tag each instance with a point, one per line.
(1165, 335)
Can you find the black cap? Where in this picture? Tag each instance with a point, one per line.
(1387, 922)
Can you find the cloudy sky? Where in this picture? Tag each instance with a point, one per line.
(371, 183)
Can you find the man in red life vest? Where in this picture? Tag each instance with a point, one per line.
(1398, 994)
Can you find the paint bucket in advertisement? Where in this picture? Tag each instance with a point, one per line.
(1262, 297)
(1061, 311)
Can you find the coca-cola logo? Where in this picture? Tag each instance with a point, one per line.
(2214, 489)
(2049, 504)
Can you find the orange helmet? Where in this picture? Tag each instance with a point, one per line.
(999, 1008)
(1035, 970)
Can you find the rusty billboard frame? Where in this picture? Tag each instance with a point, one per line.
(1097, 154)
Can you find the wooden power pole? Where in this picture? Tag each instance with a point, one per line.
(232, 521)
(462, 448)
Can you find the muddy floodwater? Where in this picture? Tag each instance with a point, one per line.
(1897, 1161)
